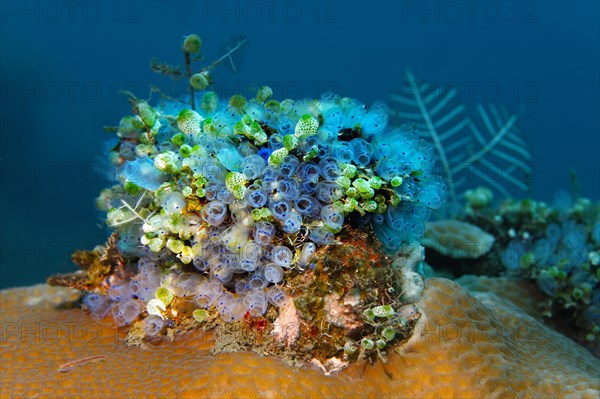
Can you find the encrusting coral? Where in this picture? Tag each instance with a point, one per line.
(461, 348)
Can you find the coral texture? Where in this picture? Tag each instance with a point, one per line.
(460, 348)
(457, 239)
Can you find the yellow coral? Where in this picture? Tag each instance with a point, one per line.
(460, 348)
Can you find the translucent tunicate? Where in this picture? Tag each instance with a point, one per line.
(153, 325)
(285, 126)
(234, 310)
(361, 152)
(273, 273)
(225, 196)
(282, 256)
(143, 173)
(99, 305)
(309, 171)
(276, 296)
(307, 253)
(342, 151)
(280, 209)
(354, 115)
(328, 192)
(269, 179)
(118, 292)
(542, 250)
(289, 166)
(127, 311)
(332, 217)
(329, 169)
(256, 302)
(308, 187)
(253, 166)
(263, 232)
(250, 256)
(235, 237)
(222, 275)
(322, 236)
(388, 168)
(289, 189)
(553, 233)
(208, 292)
(375, 120)
(293, 223)
(241, 286)
(256, 196)
(389, 238)
(230, 158)
(596, 233)
(173, 202)
(547, 283)
(257, 281)
(214, 213)
(212, 171)
(306, 206)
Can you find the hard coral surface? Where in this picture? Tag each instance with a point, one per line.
(460, 348)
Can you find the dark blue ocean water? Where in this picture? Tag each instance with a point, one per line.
(63, 64)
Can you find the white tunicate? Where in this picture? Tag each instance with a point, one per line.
(273, 273)
(99, 305)
(155, 307)
(127, 311)
(263, 232)
(224, 300)
(233, 311)
(234, 237)
(187, 285)
(250, 256)
(282, 256)
(241, 214)
(276, 296)
(222, 275)
(256, 302)
(407, 311)
(208, 292)
(257, 281)
(307, 253)
(173, 202)
(152, 325)
(118, 292)
(241, 286)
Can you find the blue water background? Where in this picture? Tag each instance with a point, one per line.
(63, 64)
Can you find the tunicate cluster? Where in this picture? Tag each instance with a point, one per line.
(562, 256)
(245, 191)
